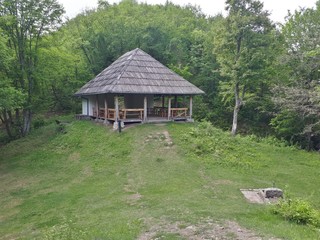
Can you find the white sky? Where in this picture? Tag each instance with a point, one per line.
(278, 8)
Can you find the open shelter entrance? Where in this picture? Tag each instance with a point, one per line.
(141, 108)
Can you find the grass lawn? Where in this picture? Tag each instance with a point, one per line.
(150, 181)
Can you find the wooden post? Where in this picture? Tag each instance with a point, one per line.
(97, 106)
(116, 104)
(190, 108)
(162, 101)
(145, 110)
(169, 108)
(175, 101)
(162, 113)
(105, 109)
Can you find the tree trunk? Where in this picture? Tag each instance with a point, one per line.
(27, 116)
(236, 110)
(235, 120)
(7, 123)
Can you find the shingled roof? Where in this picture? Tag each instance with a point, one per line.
(139, 73)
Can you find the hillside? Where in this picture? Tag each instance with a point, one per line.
(174, 181)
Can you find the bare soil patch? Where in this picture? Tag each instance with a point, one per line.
(133, 198)
(162, 137)
(74, 157)
(208, 229)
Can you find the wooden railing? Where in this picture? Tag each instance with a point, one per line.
(179, 112)
(136, 112)
(102, 113)
(159, 111)
(111, 114)
(123, 113)
(126, 113)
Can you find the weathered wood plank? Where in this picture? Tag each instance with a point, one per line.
(190, 107)
(116, 99)
(169, 108)
(145, 104)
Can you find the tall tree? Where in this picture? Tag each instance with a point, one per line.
(10, 98)
(298, 99)
(25, 22)
(242, 45)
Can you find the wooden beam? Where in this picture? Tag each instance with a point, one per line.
(169, 108)
(190, 108)
(162, 101)
(97, 106)
(105, 108)
(116, 104)
(145, 109)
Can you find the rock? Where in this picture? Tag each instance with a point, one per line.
(116, 125)
(273, 193)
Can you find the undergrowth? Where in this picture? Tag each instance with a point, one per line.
(213, 145)
(298, 211)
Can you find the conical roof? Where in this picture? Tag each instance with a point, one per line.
(137, 72)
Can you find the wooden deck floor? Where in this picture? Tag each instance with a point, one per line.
(135, 120)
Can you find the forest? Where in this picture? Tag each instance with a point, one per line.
(260, 77)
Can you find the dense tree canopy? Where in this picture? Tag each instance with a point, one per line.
(24, 22)
(251, 71)
(298, 98)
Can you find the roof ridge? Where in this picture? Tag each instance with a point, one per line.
(124, 68)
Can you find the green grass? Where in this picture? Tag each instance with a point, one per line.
(93, 183)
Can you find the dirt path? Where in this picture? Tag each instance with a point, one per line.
(208, 229)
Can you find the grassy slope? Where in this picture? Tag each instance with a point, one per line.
(94, 183)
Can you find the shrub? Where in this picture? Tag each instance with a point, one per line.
(215, 146)
(298, 211)
(203, 129)
(272, 141)
(38, 122)
(61, 128)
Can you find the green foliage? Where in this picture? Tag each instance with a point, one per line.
(61, 128)
(297, 97)
(301, 40)
(162, 31)
(298, 211)
(270, 140)
(183, 72)
(24, 23)
(5, 54)
(10, 97)
(286, 125)
(212, 145)
(60, 73)
(245, 46)
(38, 122)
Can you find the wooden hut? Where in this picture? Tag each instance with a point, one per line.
(138, 88)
